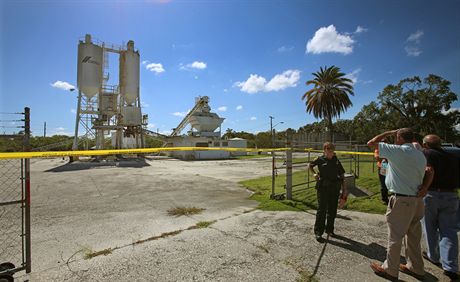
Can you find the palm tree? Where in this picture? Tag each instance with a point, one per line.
(329, 96)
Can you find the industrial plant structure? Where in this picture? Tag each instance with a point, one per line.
(204, 124)
(104, 109)
(115, 110)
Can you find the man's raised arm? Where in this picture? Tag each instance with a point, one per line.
(374, 142)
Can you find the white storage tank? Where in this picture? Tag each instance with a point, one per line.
(89, 67)
(129, 74)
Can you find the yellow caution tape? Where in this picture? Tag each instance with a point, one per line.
(51, 154)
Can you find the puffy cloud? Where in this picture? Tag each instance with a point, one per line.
(360, 29)
(73, 111)
(253, 84)
(328, 40)
(63, 85)
(256, 83)
(253, 118)
(415, 37)
(239, 108)
(282, 81)
(195, 65)
(222, 109)
(155, 67)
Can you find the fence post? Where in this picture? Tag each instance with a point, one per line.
(289, 166)
(272, 195)
(27, 189)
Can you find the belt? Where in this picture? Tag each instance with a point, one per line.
(403, 195)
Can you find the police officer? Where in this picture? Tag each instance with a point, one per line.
(329, 181)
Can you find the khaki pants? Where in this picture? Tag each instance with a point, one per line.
(403, 218)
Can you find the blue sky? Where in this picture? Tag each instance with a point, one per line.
(252, 58)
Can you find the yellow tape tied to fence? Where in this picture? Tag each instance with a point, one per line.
(28, 155)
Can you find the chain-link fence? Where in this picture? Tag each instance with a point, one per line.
(15, 208)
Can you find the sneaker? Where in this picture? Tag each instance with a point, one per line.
(452, 275)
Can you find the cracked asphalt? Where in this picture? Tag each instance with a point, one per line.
(87, 206)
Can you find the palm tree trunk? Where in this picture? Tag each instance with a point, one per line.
(329, 124)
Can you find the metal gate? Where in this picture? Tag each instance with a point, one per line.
(15, 245)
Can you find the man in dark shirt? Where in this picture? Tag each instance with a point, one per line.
(329, 181)
(441, 205)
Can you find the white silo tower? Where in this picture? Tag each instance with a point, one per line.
(89, 68)
(129, 74)
(104, 109)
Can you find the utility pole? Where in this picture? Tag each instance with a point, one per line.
(273, 158)
(44, 129)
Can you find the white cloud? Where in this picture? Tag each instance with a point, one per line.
(282, 81)
(328, 40)
(155, 67)
(414, 40)
(225, 90)
(222, 109)
(412, 51)
(415, 37)
(145, 62)
(360, 29)
(239, 108)
(62, 85)
(73, 111)
(151, 126)
(253, 118)
(180, 114)
(353, 75)
(195, 65)
(284, 49)
(144, 105)
(253, 84)
(256, 83)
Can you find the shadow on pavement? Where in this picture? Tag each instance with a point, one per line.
(78, 165)
(372, 251)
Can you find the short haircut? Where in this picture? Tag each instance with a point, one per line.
(432, 141)
(328, 145)
(406, 134)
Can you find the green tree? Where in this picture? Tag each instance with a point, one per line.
(329, 96)
(421, 104)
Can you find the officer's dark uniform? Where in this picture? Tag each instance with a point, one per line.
(328, 190)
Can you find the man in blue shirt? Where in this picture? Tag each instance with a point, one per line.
(441, 205)
(404, 178)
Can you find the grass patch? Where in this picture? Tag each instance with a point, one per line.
(204, 224)
(89, 254)
(304, 196)
(180, 211)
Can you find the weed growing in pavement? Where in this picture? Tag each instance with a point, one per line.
(89, 254)
(179, 211)
(204, 224)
